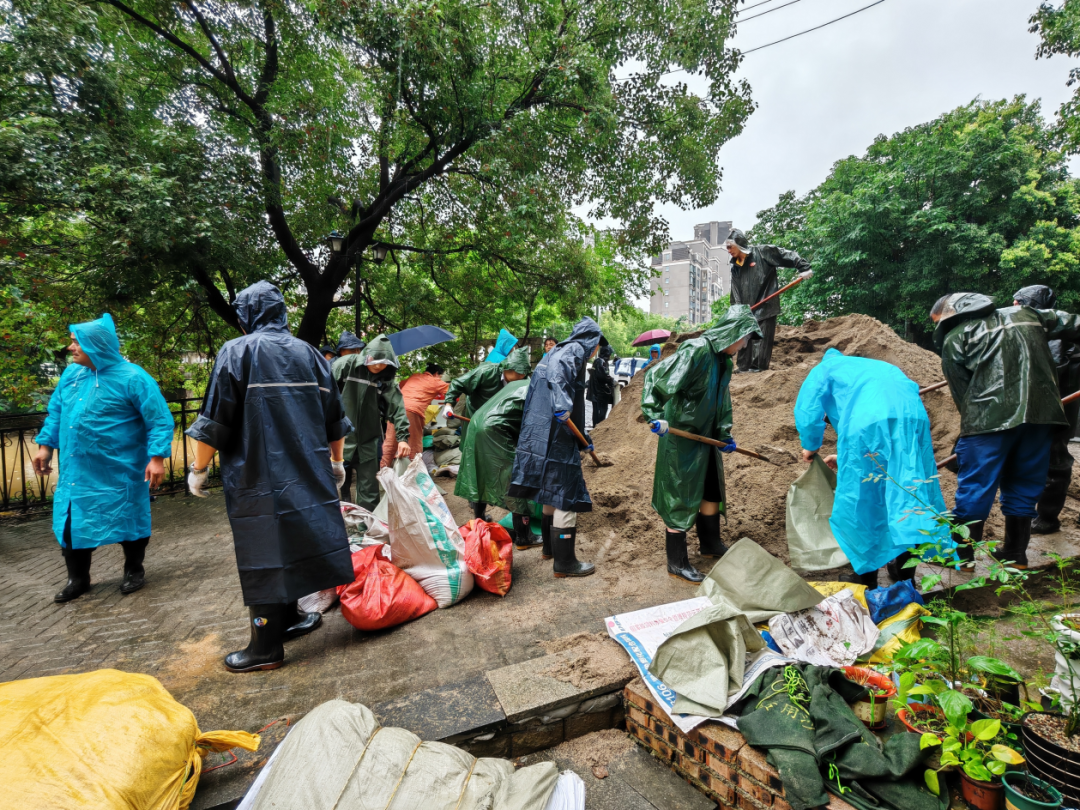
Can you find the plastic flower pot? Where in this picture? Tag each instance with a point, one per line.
(1015, 800)
(982, 795)
(908, 720)
(871, 709)
(1051, 762)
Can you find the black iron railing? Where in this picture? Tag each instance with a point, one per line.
(21, 491)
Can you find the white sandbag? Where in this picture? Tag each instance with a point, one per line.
(318, 602)
(424, 536)
(338, 757)
(833, 633)
(1066, 680)
(811, 545)
(569, 793)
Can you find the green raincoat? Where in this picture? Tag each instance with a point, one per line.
(484, 382)
(487, 451)
(690, 390)
(1000, 370)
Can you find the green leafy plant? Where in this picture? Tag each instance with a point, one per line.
(971, 746)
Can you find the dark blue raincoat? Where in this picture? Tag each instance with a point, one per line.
(547, 464)
(271, 411)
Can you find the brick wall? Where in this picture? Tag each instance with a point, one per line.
(713, 757)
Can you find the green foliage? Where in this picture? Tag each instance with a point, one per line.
(971, 746)
(978, 199)
(1058, 27)
(622, 326)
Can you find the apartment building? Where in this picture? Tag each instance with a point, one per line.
(694, 273)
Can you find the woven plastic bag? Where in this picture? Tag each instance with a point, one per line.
(103, 739)
(811, 545)
(382, 595)
(489, 553)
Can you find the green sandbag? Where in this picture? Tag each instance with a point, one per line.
(811, 545)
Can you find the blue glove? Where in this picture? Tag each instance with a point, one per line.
(563, 416)
(730, 447)
(659, 427)
(591, 448)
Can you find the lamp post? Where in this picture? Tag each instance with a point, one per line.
(378, 253)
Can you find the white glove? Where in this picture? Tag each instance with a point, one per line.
(196, 480)
(659, 427)
(339, 472)
(448, 411)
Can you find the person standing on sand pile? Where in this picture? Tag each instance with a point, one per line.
(753, 278)
(114, 430)
(275, 417)
(1066, 356)
(689, 391)
(487, 455)
(365, 380)
(601, 387)
(1003, 380)
(547, 464)
(881, 428)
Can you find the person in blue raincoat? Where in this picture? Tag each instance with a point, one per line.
(274, 415)
(113, 429)
(547, 462)
(881, 428)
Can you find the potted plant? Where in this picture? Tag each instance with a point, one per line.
(1026, 792)
(871, 709)
(998, 679)
(921, 718)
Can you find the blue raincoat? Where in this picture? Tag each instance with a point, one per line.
(271, 411)
(503, 346)
(547, 464)
(874, 409)
(106, 422)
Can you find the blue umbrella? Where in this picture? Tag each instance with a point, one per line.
(419, 337)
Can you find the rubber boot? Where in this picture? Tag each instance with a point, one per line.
(678, 563)
(965, 550)
(896, 567)
(708, 532)
(566, 564)
(546, 527)
(265, 650)
(1045, 525)
(479, 510)
(134, 573)
(299, 623)
(77, 561)
(869, 579)
(524, 539)
(1014, 548)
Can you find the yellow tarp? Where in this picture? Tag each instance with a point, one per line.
(898, 630)
(833, 588)
(104, 739)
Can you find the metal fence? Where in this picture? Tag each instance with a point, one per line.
(23, 492)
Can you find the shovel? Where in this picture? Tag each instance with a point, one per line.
(585, 443)
(717, 443)
(462, 418)
(933, 387)
(799, 279)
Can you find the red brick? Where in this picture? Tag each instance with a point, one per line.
(720, 768)
(635, 714)
(836, 803)
(753, 762)
(747, 802)
(578, 725)
(780, 803)
(755, 789)
(637, 693)
(723, 792)
(725, 741)
(689, 766)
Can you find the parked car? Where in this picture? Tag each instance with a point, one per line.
(627, 367)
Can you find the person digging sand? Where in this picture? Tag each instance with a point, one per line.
(689, 391)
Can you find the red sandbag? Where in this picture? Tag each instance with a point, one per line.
(382, 595)
(489, 555)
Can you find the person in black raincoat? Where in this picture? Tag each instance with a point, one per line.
(275, 417)
(1004, 382)
(601, 386)
(328, 352)
(689, 391)
(753, 278)
(1066, 356)
(547, 464)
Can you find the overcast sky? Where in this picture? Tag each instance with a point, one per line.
(826, 95)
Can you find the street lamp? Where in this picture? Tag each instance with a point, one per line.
(378, 251)
(335, 240)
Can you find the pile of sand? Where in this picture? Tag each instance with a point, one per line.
(624, 533)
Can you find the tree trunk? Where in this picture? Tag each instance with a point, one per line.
(320, 303)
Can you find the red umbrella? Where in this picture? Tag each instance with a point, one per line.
(652, 336)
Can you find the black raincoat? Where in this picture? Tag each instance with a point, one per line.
(601, 383)
(547, 465)
(271, 411)
(1000, 370)
(756, 278)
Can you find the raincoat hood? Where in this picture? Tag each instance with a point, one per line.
(98, 339)
(349, 341)
(380, 351)
(734, 325)
(503, 346)
(587, 333)
(605, 352)
(959, 308)
(1038, 296)
(261, 306)
(517, 361)
(328, 349)
(738, 238)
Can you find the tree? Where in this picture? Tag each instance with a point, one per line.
(1058, 28)
(977, 199)
(621, 327)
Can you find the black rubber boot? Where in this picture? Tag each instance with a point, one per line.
(708, 533)
(298, 622)
(1013, 549)
(965, 549)
(896, 567)
(869, 579)
(78, 569)
(479, 510)
(566, 564)
(134, 573)
(1045, 525)
(546, 527)
(678, 563)
(524, 539)
(265, 650)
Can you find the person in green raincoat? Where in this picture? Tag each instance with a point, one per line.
(689, 391)
(363, 378)
(487, 454)
(480, 385)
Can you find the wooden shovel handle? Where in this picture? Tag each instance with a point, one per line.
(584, 442)
(933, 387)
(462, 418)
(717, 443)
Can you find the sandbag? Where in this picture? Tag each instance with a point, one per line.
(339, 757)
(382, 595)
(833, 588)
(364, 526)
(886, 602)
(103, 739)
(1066, 680)
(318, 602)
(811, 545)
(445, 441)
(424, 537)
(448, 457)
(489, 553)
(898, 630)
(832, 633)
